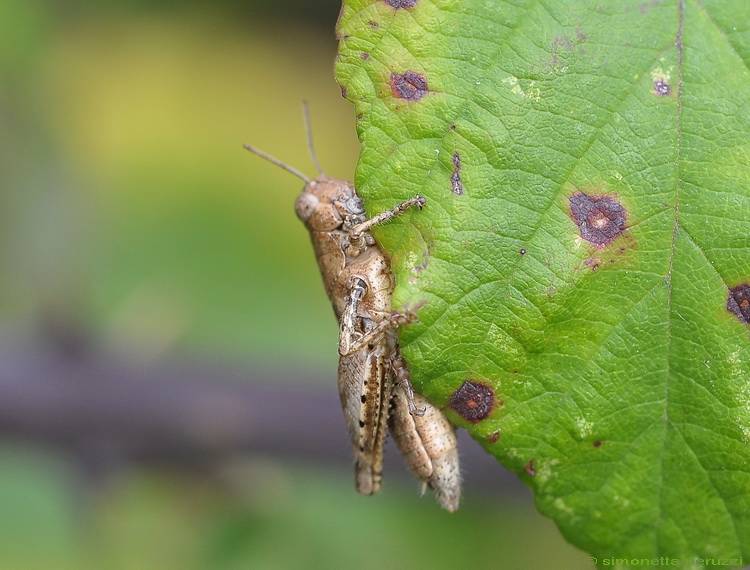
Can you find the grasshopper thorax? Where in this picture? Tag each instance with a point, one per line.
(327, 204)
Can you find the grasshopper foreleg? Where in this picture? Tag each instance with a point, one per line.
(359, 234)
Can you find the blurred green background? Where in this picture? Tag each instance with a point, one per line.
(167, 353)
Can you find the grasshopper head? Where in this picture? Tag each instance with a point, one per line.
(325, 203)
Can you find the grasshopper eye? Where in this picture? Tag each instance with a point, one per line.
(355, 205)
(305, 205)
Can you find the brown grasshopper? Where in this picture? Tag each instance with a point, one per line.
(372, 377)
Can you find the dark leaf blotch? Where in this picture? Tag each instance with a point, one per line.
(661, 87)
(738, 303)
(457, 187)
(473, 401)
(600, 219)
(410, 86)
(401, 3)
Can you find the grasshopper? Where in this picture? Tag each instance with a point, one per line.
(373, 379)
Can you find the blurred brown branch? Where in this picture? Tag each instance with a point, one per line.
(59, 390)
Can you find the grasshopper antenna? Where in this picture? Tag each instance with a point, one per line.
(277, 162)
(308, 128)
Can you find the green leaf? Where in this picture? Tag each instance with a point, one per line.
(586, 234)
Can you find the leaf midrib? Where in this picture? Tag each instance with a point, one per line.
(675, 230)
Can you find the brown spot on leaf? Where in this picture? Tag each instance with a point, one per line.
(661, 87)
(344, 92)
(529, 468)
(457, 187)
(364, 56)
(473, 401)
(593, 263)
(401, 3)
(597, 443)
(644, 6)
(373, 24)
(494, 437)
(425, 259)
(600, 219)
(738, 303)
(561, 43)
(522, 251)
(410, 86)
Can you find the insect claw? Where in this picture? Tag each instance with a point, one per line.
(403, 318)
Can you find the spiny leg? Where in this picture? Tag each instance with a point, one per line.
(397, 210)
(358, 232)
(401, 372)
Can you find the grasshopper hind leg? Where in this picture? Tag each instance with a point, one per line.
(365, 396)
(427, 441)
